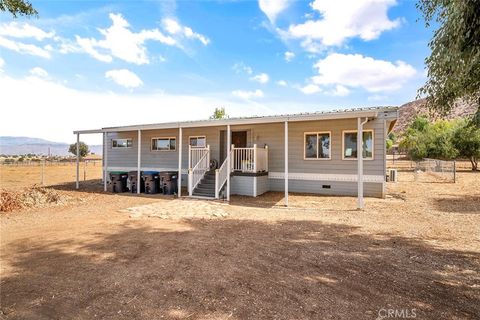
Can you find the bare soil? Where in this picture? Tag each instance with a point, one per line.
(121, 256)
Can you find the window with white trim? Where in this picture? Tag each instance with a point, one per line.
(198, 141)
(122, 143)
(350, 144)
(164, 144)
(317, 145)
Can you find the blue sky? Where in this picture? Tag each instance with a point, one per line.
(89, 64)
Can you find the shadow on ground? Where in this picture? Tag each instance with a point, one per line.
(458, 204)
(237, 269)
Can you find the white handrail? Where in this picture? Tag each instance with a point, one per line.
(221, 175)
(202, 165)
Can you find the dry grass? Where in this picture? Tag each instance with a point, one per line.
(11, 200)
(13, 177)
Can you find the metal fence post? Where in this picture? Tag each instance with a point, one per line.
(43, 169)
(454, 171)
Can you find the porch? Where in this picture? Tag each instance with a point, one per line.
(208, 179)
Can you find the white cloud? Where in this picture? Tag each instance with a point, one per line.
(25, 30)
(2, 63)
(340, 91)
(341, 20)
(175, 28)
(272, 8)
(124, 77)
(282, 83)
(377, 97)
(310, 89)
(241, 67)
(289, 56)
(261, 78)
(10, 32)
(247, 95)
(24, 48)
(39, 72)
(357, 71)
(120, 42)
(53, 97)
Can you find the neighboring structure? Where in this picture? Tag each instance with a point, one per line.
(309, 153)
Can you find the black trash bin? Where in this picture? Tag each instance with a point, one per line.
(118, 181)
(151, 180)
(132, 177)
(169, 182)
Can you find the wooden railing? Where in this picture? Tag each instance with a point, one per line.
(249, 159)
(200, 159)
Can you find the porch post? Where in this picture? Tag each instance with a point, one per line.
(190, 174)
(139, 160)
(286, 163)
(77, 183)
(266, 158)
(180, 138)
(229, 141)
(105, 159)
(360, 163)
(255, 158)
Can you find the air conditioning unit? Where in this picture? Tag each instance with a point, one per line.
(392, 175)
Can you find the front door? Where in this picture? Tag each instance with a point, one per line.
(239, 139)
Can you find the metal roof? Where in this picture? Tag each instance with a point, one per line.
(306, 116)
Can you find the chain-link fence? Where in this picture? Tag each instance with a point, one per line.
(47, 172)
(435, 170)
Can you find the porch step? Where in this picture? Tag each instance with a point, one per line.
(206, 187)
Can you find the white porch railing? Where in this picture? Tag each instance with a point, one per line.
(250, 160)
(195, 154)
(200, 159)
(221, 175)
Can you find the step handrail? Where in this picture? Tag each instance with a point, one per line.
(221, 175)
(197, 173)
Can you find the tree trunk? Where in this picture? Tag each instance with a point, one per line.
(474, 162)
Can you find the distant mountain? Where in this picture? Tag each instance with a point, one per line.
(25, 145)
(408, 112)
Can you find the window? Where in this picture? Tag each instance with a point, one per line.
(121, 143)
(198, 142)
(164, 144)
(350, 144)
(317, 146)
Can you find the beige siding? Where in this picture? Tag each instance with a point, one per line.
(273, 136)
(336, 187)
(262, 185)
(265, 134)
(242, 185)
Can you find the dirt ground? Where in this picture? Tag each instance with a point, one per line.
(120, 256)
(14, 177)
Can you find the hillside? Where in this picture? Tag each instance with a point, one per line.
(410, 110)
(24, 145)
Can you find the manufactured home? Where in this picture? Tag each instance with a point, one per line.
(308, 153)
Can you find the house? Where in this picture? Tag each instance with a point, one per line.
(308, 153)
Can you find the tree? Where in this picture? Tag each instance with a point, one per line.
(466, 140)
(425, 140)
(390, 140)
(454, 63)
(83, 149)
(18, 8)
(219, 113)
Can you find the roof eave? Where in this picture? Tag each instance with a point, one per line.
(264, 120)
